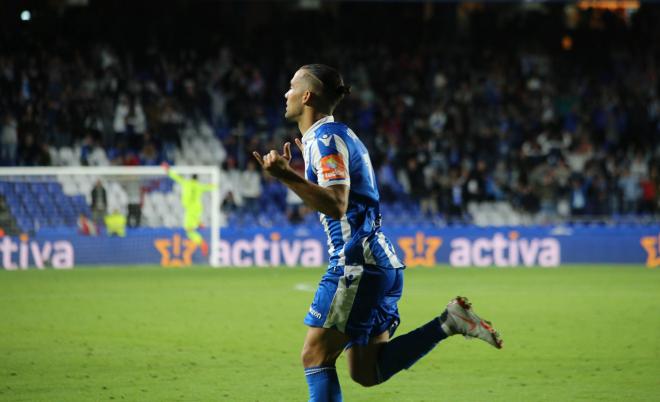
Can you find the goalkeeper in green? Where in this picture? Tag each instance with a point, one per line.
(191, 199)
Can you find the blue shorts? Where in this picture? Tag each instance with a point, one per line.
(359, 300)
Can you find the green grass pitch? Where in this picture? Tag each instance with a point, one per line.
(201, 334)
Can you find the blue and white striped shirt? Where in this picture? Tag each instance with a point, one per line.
(335, 155)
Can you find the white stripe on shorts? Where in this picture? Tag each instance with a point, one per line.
(342, 302)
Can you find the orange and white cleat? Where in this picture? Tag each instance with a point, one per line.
(458, 318)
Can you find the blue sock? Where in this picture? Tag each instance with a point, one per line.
(404, 351)
(323, 384)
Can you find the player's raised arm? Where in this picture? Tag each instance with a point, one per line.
(331, 201)
(170, 173)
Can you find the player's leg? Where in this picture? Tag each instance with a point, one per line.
(362, 360)
(372, 321)
(324, 344)
(375, 361)
(320, 351)
(192, 221)
(381, 358)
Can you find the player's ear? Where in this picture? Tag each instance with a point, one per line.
(307, 98)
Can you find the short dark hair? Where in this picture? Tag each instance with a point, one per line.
(334, 89)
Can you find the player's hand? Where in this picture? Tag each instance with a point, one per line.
(165, 166)
(273, 162)
(301, 147)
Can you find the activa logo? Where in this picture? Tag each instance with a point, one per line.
(19, 255)
(271, 252)
(505, 252)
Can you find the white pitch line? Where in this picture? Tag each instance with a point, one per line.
(304, 287)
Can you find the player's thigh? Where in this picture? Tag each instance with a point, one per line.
(369, 315)
(322, 346)
(362, 359)
(192, 220)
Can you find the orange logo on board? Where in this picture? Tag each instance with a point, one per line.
(176, 252)
(420, 250)
(651, 245)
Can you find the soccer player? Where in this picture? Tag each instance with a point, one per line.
(355, 306)
(191, 199)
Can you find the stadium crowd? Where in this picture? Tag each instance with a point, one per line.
(553, 132)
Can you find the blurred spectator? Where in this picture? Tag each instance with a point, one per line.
(99, 202)
(149, 156)
(650, 196)
(86, 226)
(455, 196)
(578, 197)
(8, 140)
(231, 185)
(6, 220)
(631, 191)
(388, 186)
(135, 198)
(251, 187)
(130, 122)
(115, 224)
(294, 207)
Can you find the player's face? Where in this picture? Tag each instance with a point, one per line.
(294, 97)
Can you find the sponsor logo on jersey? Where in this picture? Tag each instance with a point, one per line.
(333, 168)
(315, 313)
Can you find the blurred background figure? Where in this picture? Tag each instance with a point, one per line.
(86, 226)
(115, 224)
(99, 202)
(191, 200)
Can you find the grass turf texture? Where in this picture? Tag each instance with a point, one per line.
(150, 334)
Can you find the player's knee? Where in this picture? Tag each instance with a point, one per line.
(363, 378)
(363, 373)
(311, 356)
(307, 357)
(314, 356)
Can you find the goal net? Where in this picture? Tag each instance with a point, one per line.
(69, 216)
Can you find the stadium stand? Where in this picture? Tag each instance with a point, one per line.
(460, 132)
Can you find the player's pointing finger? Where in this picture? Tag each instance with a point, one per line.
(286, 152)
(258, 158)
(300, 145)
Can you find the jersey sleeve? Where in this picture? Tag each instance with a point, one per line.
(207, 187)
(175, 176)
(331, 160)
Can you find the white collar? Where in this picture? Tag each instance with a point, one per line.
(310, 131)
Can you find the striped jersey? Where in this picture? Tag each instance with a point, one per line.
(335, 155)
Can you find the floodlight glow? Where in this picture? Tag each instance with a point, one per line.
(26, 15)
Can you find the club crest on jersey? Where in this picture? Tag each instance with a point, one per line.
(326, 140)
(332, 167)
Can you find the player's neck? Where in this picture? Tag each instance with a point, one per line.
(308, 119)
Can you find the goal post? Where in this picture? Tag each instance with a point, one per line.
(45, 200)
